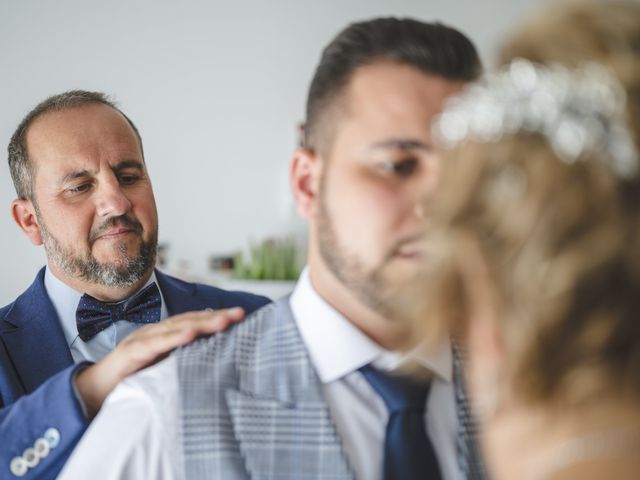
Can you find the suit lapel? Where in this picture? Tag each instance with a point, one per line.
(34, 338)
(467, 450)
(279, 415)
(179, 297)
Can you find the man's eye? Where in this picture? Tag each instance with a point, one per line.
(402, 168)
(128, 179)
(83, 187)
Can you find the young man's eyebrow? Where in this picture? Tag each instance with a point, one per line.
(401, 144)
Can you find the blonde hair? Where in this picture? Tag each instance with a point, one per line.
(561, 240)
(561, 243)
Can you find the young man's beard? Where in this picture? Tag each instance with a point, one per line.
(369, 286)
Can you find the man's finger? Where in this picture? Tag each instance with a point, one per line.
(234, 314)
(210, 321)
(215, 322)
(180, 330)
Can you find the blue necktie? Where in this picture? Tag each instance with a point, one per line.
(93, 316)
(408, 453)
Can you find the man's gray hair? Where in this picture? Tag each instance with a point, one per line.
(22, 170)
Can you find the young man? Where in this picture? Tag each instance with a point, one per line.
(84, 192)
(303, 389)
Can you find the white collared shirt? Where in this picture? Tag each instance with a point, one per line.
(65, 302)
(337, 350)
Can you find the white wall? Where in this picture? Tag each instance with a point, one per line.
(216, 89)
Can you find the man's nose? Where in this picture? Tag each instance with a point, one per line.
(112, 201)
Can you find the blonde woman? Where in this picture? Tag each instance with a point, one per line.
(534, 248)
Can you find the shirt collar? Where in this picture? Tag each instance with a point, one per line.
(65, 301)
(337, 347)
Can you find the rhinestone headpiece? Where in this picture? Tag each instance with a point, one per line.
(577, 110)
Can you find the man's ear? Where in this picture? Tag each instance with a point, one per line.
(24, 214)
(304, 177)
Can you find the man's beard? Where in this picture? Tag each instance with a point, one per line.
(368, 285)
(122, 273)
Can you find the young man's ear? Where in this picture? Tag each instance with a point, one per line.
(24, 214)
(304, 177)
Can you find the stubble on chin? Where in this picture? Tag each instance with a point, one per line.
(366, 284)
(126, 270)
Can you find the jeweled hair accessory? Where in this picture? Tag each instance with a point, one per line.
(578, 111)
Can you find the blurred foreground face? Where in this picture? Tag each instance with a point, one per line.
(370, 221)
(535, 264)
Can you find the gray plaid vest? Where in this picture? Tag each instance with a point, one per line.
(251, 407)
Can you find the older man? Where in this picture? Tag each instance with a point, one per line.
(308, 387)
(85, 194)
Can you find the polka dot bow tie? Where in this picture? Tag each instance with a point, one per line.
(93, 316)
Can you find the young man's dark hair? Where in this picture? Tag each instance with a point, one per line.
(433, 48)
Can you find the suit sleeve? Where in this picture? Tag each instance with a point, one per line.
(39, 430)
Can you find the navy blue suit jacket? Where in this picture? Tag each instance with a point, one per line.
(36, 368)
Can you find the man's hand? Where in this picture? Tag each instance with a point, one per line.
(145, 347)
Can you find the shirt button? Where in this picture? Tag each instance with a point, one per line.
(52, 436)
(18, 466)
(30, 457)
(42, 447)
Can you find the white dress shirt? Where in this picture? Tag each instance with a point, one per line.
(65, 301)
(337, 350)
(146, 405)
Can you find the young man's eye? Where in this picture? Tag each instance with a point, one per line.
(402, 168)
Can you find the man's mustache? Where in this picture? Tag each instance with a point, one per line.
(122, 221)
